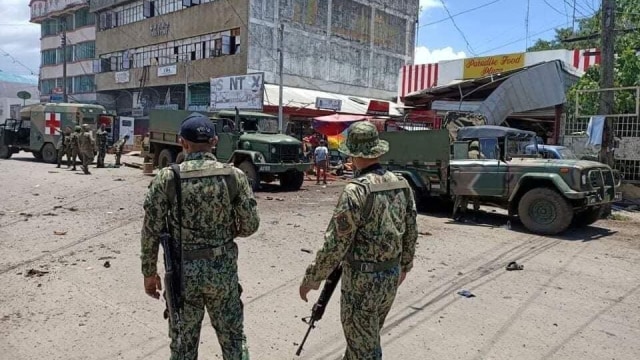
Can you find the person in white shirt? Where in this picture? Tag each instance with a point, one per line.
(321, 160)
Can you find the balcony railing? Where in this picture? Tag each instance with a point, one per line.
(42, 8)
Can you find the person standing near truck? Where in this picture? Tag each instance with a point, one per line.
(75, 146)
(86, 144)
(119, 148)
(101, 141)
(373, 233)
(216, 206)
(61, 146)
(321, 159)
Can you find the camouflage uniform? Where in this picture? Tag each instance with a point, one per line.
(101, 140)
(461, 202)
(373, 232)
(215, 210)
(86, 144)
(119, 147)
(61, 147)
(75, 146)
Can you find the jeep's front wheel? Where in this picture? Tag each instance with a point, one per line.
(5, 152)
(252, 175)
(545, 211)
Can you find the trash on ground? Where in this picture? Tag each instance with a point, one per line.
(73, 208)
(106, 258)
(118, 179)
(34, 272)
(50, 214)
(306, 250)
(465, 293)
(57, 232)
(425, 233)
(514, 266)
(107, 264)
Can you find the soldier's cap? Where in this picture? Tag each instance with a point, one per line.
(197, 128)
(363, 141)
(474, 145)
(77, 128)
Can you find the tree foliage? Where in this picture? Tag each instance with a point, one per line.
(627, 63)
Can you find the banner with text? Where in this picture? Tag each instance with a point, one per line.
(482, 66)
(245, 92)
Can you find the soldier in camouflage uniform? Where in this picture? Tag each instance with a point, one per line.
(119, 148)
(101, 142)
(86, 144)
(373, 233)
(75, 146)
(461, 203)
(217, 206)
(62, 145)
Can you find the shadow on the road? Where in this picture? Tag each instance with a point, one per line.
(28, 159)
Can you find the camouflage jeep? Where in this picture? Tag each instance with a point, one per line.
(548, 195)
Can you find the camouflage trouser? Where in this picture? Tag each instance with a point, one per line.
(211, 284)
(86, 157)
(102, 151)
(461, 204)
(364, 305)
(61, 152)
(118, 156)
(74, 155)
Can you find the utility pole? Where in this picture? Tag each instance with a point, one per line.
(63, 40)
(606, 79)
(281, 68)
(186, 85)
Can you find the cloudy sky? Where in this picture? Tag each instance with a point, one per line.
(19, 39)
(485, 27)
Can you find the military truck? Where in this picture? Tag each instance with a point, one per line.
(249, 140)
(39, 128)
(548, 195)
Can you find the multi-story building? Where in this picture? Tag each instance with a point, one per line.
(72, 19)
(152, 52)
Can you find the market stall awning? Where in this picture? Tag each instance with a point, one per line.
(335, 124)
(293, 97)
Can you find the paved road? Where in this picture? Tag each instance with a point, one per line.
(577, 297)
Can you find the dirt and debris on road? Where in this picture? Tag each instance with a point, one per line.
(577, 297)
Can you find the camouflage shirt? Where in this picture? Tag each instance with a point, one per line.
(85, 142)
(209, 216)
(389, 230)
(101, 139)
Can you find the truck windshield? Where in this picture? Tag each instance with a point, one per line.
(521, 145)
(567, 154)
(268, 125)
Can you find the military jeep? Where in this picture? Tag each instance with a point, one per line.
(548, 195)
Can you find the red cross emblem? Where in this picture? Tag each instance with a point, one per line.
(51, 123)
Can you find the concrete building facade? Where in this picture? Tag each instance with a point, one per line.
(149, 52)
(54, 16)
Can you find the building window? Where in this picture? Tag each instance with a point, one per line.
(49, 57)
(83, 84)
(85, 50)
(49, 27)
(47, 86)
(69, 51)
(84, 18)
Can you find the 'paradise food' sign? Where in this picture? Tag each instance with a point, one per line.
(483, 66)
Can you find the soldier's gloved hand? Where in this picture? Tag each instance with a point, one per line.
(152, 286)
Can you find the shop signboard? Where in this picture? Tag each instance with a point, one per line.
(245, 92)
(482, 66)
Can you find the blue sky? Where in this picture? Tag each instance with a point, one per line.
(497, 28)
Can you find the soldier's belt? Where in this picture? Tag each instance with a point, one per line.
(208, 253)
(369, 267)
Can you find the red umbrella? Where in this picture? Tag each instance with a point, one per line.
(335, 124)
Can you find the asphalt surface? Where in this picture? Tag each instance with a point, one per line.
(576, 298)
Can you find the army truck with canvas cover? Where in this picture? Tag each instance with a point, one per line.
(249, 140)
(548, 195)
(40, 126)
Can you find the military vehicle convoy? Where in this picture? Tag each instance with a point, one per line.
(39, 128)
(249, 140)
(548, 195)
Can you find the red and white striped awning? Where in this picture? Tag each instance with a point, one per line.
(584, 59)
(417, 77)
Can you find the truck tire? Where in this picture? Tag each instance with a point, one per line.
(588, 216)
(292, 180)
(5, 152)
(49, 153)
(252, 175)
(165, 158)
(37, 155)
(545, 211)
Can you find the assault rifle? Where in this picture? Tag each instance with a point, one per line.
(172, 286)
(321, 305)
